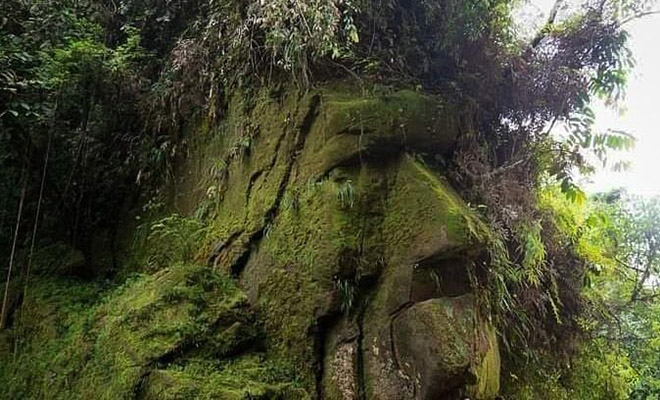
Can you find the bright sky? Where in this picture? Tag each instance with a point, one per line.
(641, 115)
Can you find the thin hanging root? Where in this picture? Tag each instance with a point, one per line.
(3, 312)
(36, 222)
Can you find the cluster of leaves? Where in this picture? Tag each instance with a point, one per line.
(535, 273)
(68, 96)
(614, 351)
(625, 291)
(248, 43)
(171, 239)
(598, 370)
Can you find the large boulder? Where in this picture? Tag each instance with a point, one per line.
(441, 344)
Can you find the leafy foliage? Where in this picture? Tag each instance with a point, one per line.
(65, 84)
(614, 355)
(174, 238)
(598, 371)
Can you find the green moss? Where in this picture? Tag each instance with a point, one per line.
(442, 326)
(48, 338)
(81, 347)
(423, 219)
(253, 180)
(487, 371)
(353, 127)
(425, 216)
(246, 378)
(407, 114)
(149, 319)
(297, 263)
(58, 258)
(441, 340)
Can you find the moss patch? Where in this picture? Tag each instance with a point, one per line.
(247, 378)
(77, 346)
(292, 275)
(425, 216)
(487, 369)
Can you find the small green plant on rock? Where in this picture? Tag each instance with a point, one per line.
(347, 289)
(290, 201)
(346, 194)
(174, 238)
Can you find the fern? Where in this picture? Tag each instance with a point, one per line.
(346, 194)
(175, 238)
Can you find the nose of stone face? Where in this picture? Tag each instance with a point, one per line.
(421, 335)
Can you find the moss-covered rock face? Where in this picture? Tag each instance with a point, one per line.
(334, 229)
(348, 254)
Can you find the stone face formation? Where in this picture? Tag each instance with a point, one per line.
(353, 248)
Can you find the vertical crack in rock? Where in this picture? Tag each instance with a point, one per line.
(369, 282)
(253, 241)
(276, 152)
(298, 145)
(251, 182)
(393, 317)
(138, 390)
(212, 260)
(324, 325)
(361, 379)
(266, 170)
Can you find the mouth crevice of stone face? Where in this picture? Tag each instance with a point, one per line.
(435, 278)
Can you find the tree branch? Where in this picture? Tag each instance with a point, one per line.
(549, 23)
(637, 16)
(626, 265)
(650, 257)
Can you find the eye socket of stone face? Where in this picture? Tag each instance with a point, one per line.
(356, 128)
